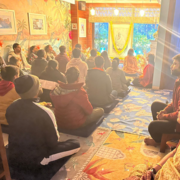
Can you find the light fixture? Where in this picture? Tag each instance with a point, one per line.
(142, 12)
(116, 12)
(93, 11)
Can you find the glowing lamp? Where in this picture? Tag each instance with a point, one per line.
(116, 12)
(92, 12)
(142, 12)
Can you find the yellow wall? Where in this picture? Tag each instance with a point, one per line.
(58, 16)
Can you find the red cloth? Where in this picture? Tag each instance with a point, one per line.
(147, 77)
(72, 106)
(62, 60)
(99, 69)
(5, 87)
(174, 106)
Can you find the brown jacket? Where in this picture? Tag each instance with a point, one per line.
(62, 59)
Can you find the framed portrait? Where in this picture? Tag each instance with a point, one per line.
(74, 26)
(82, 27)
(7, 22)
(37, 24)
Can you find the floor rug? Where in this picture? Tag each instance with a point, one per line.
(89, 147)
(117, 157)
(133, 114)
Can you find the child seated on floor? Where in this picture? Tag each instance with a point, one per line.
(119, 82)
(130, 64)
(147, 78)
(72, 107)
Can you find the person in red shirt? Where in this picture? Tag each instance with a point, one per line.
(62, 59)
(165, 116)
(147, 78)
(72, 107)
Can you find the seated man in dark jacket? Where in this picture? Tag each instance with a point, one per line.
(72, 107)
(52, 74)
(33, 137)
(99, 85)
(39, 65)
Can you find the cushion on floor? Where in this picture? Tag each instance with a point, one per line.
(45, 173)
(82, 132)
(108, 108)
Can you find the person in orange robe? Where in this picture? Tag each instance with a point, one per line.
(130, 64)
(147, 78)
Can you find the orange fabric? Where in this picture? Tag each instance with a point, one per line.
(99, 69)
(130, 65)
(147, 77)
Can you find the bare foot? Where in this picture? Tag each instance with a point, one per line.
(150, 142)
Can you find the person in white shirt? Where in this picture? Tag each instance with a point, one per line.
(78, 63)
(18, 55)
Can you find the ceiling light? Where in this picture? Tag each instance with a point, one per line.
(116, 12)
(93, 11)
(142, 12)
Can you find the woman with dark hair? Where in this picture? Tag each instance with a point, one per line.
(107, 62)
(130, 64)
(51, 73)
(119, 82)
(50, 53)
(8, 93)
(147, 78)
(32, 54)
(39, 65)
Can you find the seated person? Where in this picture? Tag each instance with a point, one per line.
(119, 82)
(130, 64)
(51, 54)
(81, 65)
(7, 92)
(39, 65)
(62, 59)
(33, 136)
(91, 60)
(99, 85)
(32, 55)
(83, 56)
(107, 62)
(147, 78)
(51, 73)
(16, 62)
(165, 116)
(72, 107)
(168, 168)
(18, 55)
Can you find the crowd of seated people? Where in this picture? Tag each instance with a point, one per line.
(83, 89)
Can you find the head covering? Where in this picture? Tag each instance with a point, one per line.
(27, 86)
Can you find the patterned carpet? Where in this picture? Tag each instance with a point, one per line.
(133, 114)
(89, 146)
(117, 157)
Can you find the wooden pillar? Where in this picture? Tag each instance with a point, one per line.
(75, 15)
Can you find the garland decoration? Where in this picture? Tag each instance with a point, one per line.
(127, 40)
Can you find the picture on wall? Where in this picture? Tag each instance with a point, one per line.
(7, 22)
(37, 24)
(82, 27)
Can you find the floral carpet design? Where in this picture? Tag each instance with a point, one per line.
(117, 157)
(89, 146)
(133, 113)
